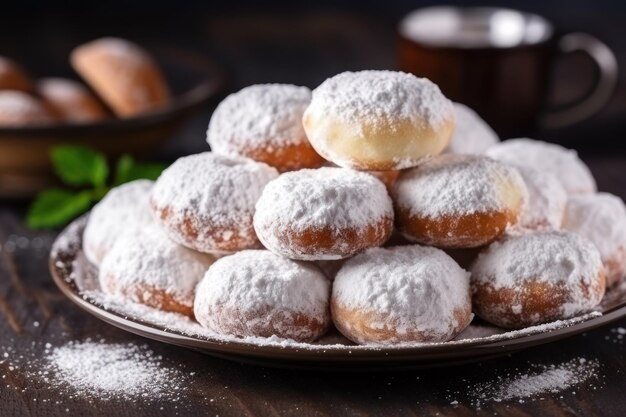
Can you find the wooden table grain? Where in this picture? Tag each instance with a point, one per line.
(33, 312)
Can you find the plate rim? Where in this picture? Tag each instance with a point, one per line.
(331, 354)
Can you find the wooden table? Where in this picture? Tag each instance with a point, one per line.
(301, 49)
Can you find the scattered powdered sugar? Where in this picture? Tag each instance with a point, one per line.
(547, 198)
(547, 157)
(145, 261)
(123, 208)
(209, 190)
(532, 384)
(17, 107)
(472, 135)
(266, 290)
(409, 287)
(459, 185)
(262, 116)
(114, 371)
(380, 98)
(559, 258)
(601, 218)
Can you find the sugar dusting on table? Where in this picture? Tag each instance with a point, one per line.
(113, 371)
(533, 383)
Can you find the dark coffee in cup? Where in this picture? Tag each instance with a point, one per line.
(499, 62)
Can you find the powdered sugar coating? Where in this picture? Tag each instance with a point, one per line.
(360, 107)
(472, 135)
(144, 261)
(547, 198)
(566, 263)
(380, 97)
(123, 208)
(457, 185)
(405, 289)
(547, 157)
(204, 201)
(337, 199)
(18, 108)
(601, 218)
(258, 293)
(261, 116)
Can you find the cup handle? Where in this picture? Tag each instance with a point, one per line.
(601, 92)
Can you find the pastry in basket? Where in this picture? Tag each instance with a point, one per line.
(123, 74)
(18, 109)
(13, 76)
(70, 100)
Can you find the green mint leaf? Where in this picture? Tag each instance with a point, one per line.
(77, 165)
(129, 170)
(56, 207)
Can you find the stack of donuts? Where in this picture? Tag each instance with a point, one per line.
(372, 203)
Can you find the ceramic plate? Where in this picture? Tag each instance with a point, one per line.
(77, 279)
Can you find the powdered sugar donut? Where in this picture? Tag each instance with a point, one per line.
(547, 157)
(124, 207)
(70, 100)
(258, 293)
(378, 120)
(21, 109)
(146, 267)
(401, 294)
(206, 201)
(325, 213)
(13, 76)
(458, 201)
(264, 122)
(472, 135)
(537, 278)
(601, 218)
(547, 198)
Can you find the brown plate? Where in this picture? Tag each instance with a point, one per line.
(24, 151)
(71, 273)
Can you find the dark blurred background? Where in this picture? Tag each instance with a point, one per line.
(300, 43)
